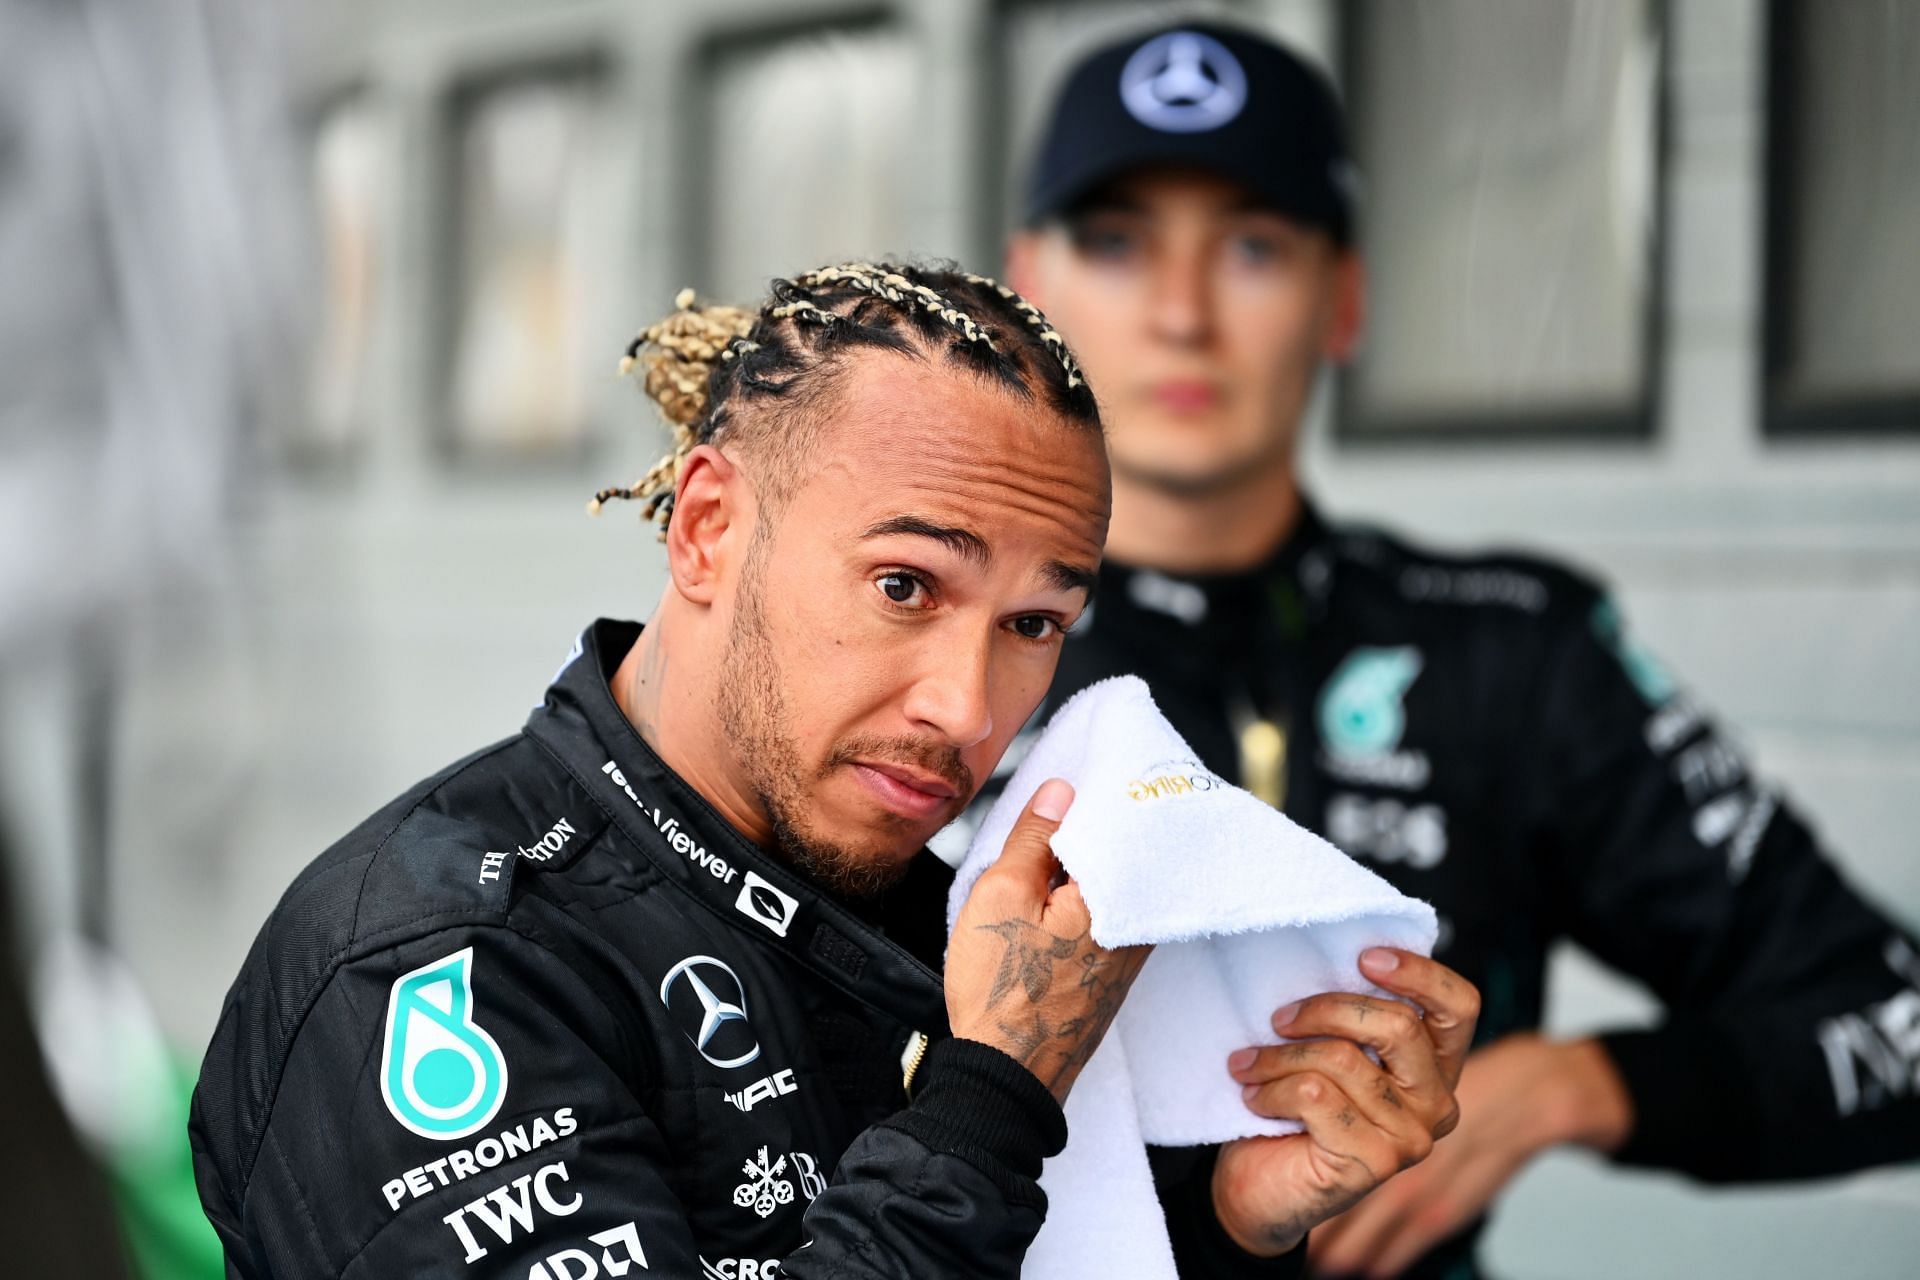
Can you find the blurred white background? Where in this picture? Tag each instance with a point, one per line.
(306, 372)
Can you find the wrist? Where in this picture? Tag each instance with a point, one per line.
(1055, 1083)
(1590, 1107)
(979, 1104)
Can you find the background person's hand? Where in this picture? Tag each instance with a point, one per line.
(1518, 1096)
(1023, 972)
(1365, 1121)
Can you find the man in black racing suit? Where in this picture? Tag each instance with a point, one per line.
(1479, 730)
(655, 988)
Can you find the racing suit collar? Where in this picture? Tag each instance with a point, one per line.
(687, 842)
(1293, 577)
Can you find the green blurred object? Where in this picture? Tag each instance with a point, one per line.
(167, 1233)
(127, 1093)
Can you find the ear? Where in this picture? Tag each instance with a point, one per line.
(1023, 265)
(710, 501)
(1349, 308)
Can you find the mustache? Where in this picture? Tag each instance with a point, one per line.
(940, 759)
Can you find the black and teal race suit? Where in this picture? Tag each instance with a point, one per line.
(547, 1016)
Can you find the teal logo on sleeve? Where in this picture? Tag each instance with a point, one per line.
(1649, 676)
(441, 1074)
(1361, 711)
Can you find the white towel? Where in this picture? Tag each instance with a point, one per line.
(1249, 912)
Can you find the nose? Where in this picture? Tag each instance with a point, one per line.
(950, 694)
(1182, 308)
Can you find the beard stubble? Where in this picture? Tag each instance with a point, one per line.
(754, 715)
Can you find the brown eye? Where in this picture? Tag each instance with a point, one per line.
(1034, 627)
(901, 588)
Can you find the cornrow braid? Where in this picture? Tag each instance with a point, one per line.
(1044, 328)
(706, 363)
(677, 355)
(894, 287)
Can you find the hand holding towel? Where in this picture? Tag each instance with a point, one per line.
(1248, 912)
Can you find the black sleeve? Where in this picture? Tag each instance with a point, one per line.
(1183, 1177)
(467, 1105)
(462, 1104)
(1792, 1029)
(948, 1187)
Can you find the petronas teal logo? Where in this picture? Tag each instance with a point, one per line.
(1361, 711)
(441, 1074)
(1645, 670)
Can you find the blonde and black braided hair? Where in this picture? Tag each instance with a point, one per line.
(706, 365)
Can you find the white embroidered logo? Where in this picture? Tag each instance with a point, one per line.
(764, 1189)
(763, 904)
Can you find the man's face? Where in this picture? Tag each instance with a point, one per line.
(1201, 317)
(902, 616)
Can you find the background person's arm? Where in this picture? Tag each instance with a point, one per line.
(1792, 1029)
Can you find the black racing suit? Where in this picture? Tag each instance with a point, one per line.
(546, 1016)
(1483, 734)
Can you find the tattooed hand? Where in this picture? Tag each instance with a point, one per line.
(1023, 973)
(1366, 1120)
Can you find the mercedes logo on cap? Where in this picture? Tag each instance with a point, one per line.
(1183, 82)
(705, 1012)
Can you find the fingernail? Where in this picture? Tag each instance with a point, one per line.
(1241, 1059)
(1053, 798)
(1247, 1091)
(1380, 960)
(1285, 1014)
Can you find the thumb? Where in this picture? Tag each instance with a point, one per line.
(1027, 854)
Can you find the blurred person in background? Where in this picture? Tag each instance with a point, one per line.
(659, 983)
(145, 241)
(1481, 730)
(57, 1214)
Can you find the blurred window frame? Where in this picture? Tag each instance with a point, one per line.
(1636, 419)
(1787, 413)
(723, 35)
(306, 443)
(592, 71)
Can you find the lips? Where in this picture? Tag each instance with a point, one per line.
(907, 792)
(1185, 395)
(930, 783)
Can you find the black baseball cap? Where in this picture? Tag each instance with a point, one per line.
(1204, 95)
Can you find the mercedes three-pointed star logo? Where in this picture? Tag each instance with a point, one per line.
(708, 978)
(1183, 82)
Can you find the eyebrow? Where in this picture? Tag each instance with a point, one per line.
(1071, 577)
(964, 543)
(969, 545)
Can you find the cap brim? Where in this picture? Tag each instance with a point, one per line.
(1273, 187)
